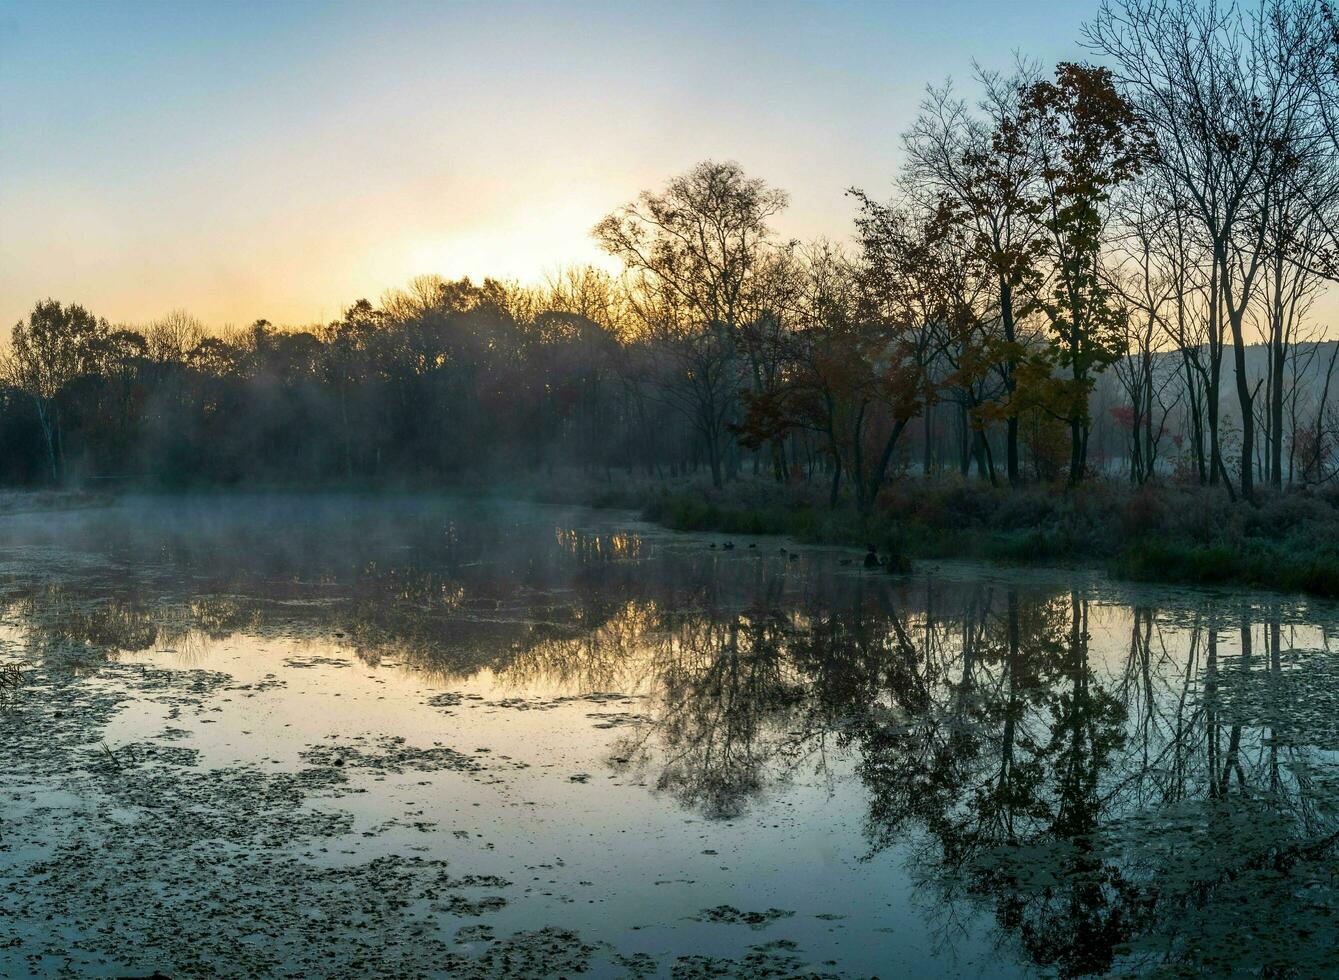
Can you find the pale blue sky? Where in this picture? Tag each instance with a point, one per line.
(282, 159)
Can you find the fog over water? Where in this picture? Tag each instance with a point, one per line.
(298, 677)
(506, 737)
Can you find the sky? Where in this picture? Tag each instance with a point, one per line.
(282, 159)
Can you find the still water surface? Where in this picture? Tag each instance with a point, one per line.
(324, 736)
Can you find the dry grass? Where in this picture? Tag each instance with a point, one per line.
(1288, 540)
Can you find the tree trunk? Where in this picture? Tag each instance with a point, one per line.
(1246, 400)
(45, 417)
(927, 461)
(985, 465)
(876, 478)
(1196, 417)
(1011, 424)
(1276, 410)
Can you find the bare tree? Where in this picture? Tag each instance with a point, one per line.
(701, 245)
(1226, 95)
(1288, 288)
(173, 336)
(985, 166)
(1146, 274)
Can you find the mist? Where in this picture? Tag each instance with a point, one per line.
(958, 596)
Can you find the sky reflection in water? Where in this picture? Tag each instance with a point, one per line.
(968, 771)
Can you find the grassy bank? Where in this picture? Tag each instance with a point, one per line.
(1289, 541)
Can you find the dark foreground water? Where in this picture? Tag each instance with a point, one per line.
(335, 737)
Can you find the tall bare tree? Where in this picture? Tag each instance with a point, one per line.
(1226, 94)
(1145, 270)
(701, 245)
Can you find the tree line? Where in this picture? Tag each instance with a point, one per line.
(1068, 256)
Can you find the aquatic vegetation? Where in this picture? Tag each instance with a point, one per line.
(772, 959)
(1076, 777)
(731, 915)
(1166, 534)
(389, 754)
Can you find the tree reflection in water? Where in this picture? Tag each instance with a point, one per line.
(1174, 813)
(1162, 801)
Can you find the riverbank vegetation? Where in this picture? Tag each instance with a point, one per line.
(1189, 535)
(1084, 276)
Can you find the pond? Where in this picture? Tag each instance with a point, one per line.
(288, 736)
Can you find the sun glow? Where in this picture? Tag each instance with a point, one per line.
(522, 246)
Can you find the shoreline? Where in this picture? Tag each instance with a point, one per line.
(1175, 535)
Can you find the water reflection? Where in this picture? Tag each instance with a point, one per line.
(1124, 786)
(1176, 810)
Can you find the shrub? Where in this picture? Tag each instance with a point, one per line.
(1156, 532)
(1143, 512)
